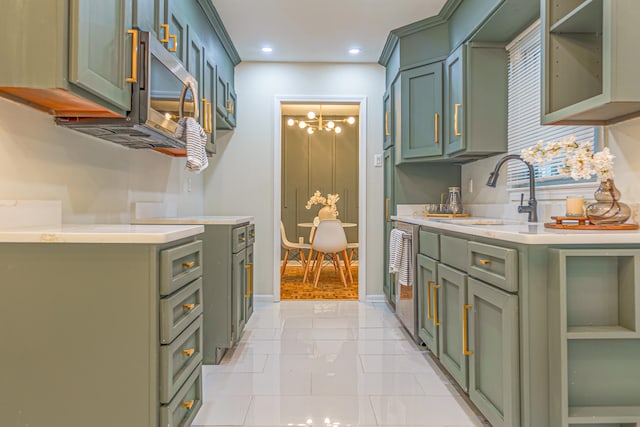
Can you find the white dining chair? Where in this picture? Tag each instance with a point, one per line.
(297, 248)
(330, 239)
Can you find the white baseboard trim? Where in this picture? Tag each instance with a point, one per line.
(375, 298)
(263, 297)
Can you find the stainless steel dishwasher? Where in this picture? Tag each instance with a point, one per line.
(407, 295)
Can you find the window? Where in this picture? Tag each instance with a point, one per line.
(523, 125)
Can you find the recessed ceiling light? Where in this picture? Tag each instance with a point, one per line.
(267, 50)
(354, 51)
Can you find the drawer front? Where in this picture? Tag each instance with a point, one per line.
(494, 264)
(185, 405)
(179, 266)
(179, 310)
(239, 238)
(251, 234)
(453, 252)
(178, 360)
(430, 244)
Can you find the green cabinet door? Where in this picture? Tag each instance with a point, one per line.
(388, 210)
(494, 385)
(221, 98)
(100, 49)
(454, 91)
(427, 329)
(451, 297)
(249, 283)
(195, 67)
(239, 274)
(209, 97)
(421, 112)
(177, 43)
(148, 15)
(386, 129)
(231, 105)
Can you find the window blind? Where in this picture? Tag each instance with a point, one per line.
(523, 123)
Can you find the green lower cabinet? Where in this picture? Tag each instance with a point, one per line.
(427, 329)
(248, 283)
(239, 312)
(494, 385)
(451, 297)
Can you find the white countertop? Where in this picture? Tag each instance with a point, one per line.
(99, 233)
(204, 220)
(530, 233)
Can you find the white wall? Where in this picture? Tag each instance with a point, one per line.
(97, 181)
(240, 179)
(623, 139)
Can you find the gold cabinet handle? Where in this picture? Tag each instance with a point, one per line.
(188, 404)
(175, 43)
(188, 307)
(165, 27)
(210, 120)
(456, 109)
(134, 56)
(188, 352)
(252, 235)
(229, 105)
(386, 124)
(485, 261)
(436, 322)
(188, 264)
(206, 105)
(465, 330)
(249, 268)
(386, 209)
(436, 123)
(241, 238)
(429, 313)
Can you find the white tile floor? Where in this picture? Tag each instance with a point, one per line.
(328, 364)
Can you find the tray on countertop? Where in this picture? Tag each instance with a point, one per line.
(582, 223)
(433, 215)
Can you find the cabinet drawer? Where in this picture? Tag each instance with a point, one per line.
(430, 244)
(238, 238)
(178, 359)
(185, 406)
(494, 264)
(179, 266)
(251, 234)
(179, 310)
(453, 252)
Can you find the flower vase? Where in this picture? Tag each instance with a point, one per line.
(326, 213)
(607, 210)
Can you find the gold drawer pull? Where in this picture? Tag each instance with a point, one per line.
(134, 56)
(188, 353)
(188, 264)
(435, 305)
(252, 235)
(249, 268)
(456, 129)
(165, 27)
(188, 307)
(175, 43)
(188, 404)
(242, 239)
(485, 261)
(465, 330)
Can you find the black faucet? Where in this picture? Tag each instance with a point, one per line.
(532, 208)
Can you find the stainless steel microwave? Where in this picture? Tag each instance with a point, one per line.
(162, 93)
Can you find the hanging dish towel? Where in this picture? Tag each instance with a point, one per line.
(400, 256)
(190, 131)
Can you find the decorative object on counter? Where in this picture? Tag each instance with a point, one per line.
(328, 210)
(575, 206)
(580, 162)
(454, 201)
(584, 223)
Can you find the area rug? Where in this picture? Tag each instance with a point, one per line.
(329, 286)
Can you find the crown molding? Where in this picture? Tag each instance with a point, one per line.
(218, 26)
(392, 41)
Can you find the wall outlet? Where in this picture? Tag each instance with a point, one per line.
(377, 160)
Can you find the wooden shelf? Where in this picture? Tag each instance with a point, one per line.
(604, 414)
(599, 332)
(586, 18)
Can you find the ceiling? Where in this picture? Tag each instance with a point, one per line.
(317, 31)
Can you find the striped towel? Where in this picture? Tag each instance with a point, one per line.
(400, 256)
(190, 131)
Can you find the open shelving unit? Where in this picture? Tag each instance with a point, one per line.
(589, 76)
(594, 334)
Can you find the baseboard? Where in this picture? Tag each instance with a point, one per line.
(375, 298)
(263, 297)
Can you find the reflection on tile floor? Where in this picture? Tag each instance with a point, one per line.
(328, 364)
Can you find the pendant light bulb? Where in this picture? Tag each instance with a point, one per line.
(351, 120)
(310, 130)
(311, 115)
(331, 125)
(302, 124)
(338, 129)
(291, 122)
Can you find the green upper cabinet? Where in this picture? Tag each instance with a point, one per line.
(225, 103)
(590, 74)
(148, 15)
(99, 54)
(177, 21)
(476, 101)
(208, 86)
(421, 119)
(386, 130)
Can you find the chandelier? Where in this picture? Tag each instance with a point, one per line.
(317, 123)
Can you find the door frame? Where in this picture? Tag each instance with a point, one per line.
(362, 181)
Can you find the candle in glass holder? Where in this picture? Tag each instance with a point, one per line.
(575, 206)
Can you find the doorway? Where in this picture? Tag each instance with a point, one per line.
(331, 163)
